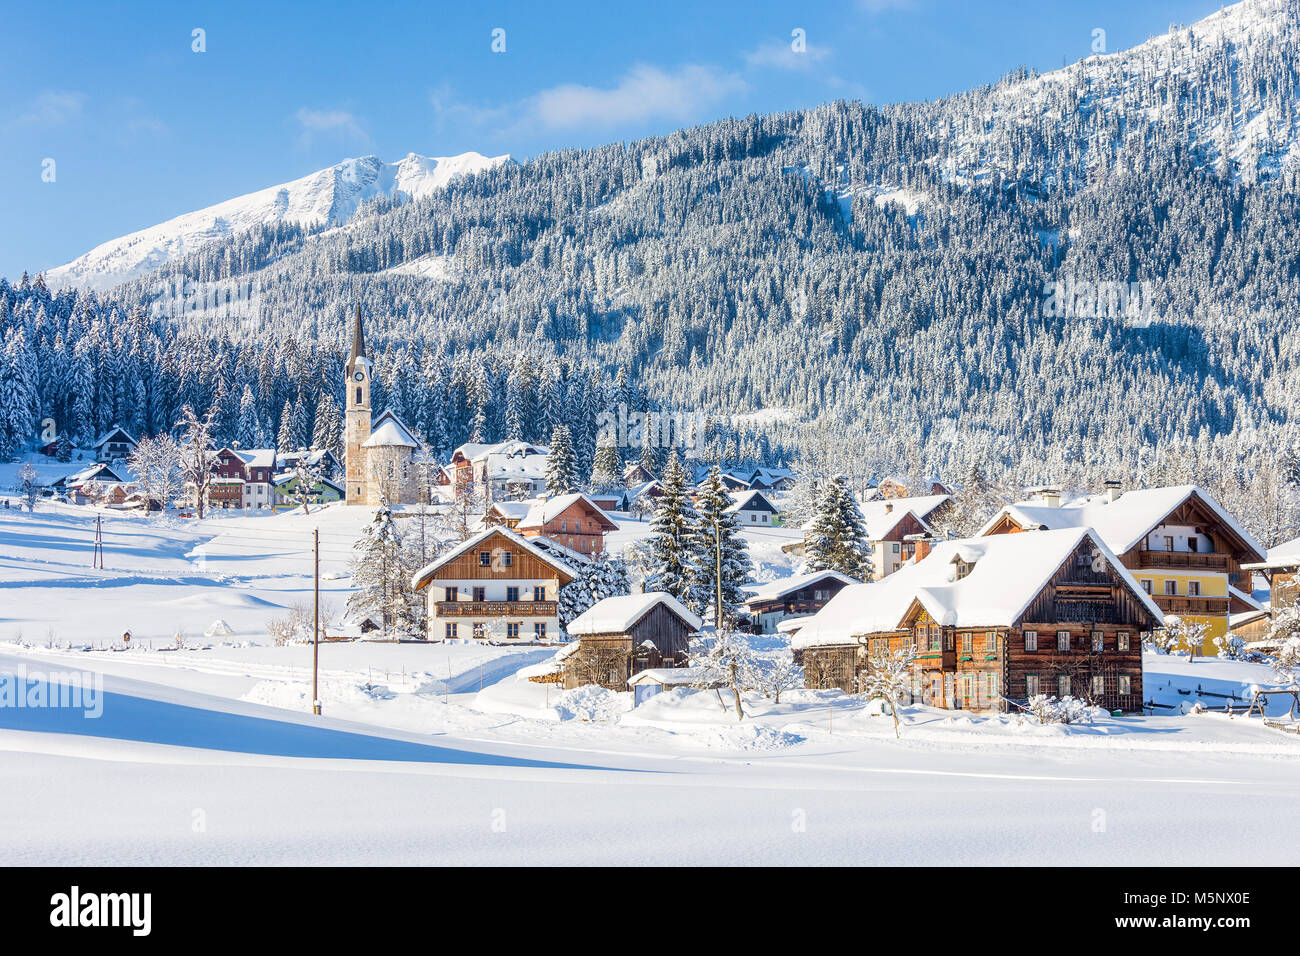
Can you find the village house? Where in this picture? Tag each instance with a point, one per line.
(621, 636)
(508, 470)
(497, 585)
(797, 596)
(895, 487)
(99, 475)
(771, 479)
(114, 444)
(573, 520)
(1185, 550)
(993, 618)
(893, 527)
(753, 509)
(1279, 568)
(285, 491)
(636, 474)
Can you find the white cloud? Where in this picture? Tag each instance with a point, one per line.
(643, 93)
(336, 123)
(782, 56)
(54, 108)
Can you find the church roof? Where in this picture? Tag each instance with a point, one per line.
(358, 340)
(390, 432)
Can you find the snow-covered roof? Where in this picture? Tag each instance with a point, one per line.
(257, 457)
(1010, 570)
(1124, 522)
(1246, 599)
(108, 436)
(425, 574)
(744, 501)
(672, 676)
(545, 510)
(1284, 555)
(790, 625)
(390, 433)
(615, 615)
(771, 590)
(512, 509)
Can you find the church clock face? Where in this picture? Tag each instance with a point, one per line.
(359, 376)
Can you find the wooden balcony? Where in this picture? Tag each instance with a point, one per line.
(496, 608)
(1178, 560)
(1181, 604)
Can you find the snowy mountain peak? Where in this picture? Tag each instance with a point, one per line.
(328, 196)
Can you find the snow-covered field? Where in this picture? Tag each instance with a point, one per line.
(207, 752)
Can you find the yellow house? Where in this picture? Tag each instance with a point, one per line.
(1183, 548)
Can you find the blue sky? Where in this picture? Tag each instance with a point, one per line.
(142, 128)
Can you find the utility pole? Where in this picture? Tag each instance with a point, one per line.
(97, 560)
(315, 622)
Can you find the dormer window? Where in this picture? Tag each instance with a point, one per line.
(964, 568)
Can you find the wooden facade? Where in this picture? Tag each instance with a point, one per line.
(580, 527)
(660, 638)
(1080, 635)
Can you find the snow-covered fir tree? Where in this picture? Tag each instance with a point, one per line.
(381, 574)
(717, 540)
(606, 468)
(836, 538)
(561, 468)
(673, 539)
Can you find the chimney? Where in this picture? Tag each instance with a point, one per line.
(1112, 490)
(889, 506)
(922, 542)
(1050, 496)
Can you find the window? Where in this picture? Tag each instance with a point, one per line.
(1062, 640)
(752, 517)
(947, 641)
(358, 394)
(478, 630)
(1098, 642)
(539, 593)
(564, 524)
(895, 547)
(507, 559)
(966, 642)
(991, 686)
(1121, 640)
(1193, 543)
(1098, 685)
(969, 691)
(1146, 585)
(480, 594)
(1193, 588)
(1063, 685)
(539, 630)
(512, 629)
(821, 595)
(991, 642)
(1031, 685)
(1031, 640)
(1125, 684)
(512, 594)
(451, 630)
(451, 594)
(1169, 542)
(1171, 587)
(485, 559)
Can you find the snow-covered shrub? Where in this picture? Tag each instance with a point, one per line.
(294, 627)
(1063, 710)
(1230, 647)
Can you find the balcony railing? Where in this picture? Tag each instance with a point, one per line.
(1192, 560)
(496, 608)
(1180, 604)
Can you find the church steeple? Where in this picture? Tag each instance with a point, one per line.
(358, 340)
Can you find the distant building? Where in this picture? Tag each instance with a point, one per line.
(797, 596)
(753, 509)
(114, 444)
(573, 520)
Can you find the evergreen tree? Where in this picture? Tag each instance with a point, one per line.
(607, 468)
(673, 545)
(718, 541)
(327, 433)
(284, 438)
(836, 540)
(605, 575)
(561, 469)
(382, 577)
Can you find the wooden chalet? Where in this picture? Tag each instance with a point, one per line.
(1184, 549)
(621, 636)
(993, 620)
(574, 521)
(497, 585)
(801, 595)
(114, 444)
(753, 509)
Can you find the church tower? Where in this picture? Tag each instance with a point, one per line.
(357, 430)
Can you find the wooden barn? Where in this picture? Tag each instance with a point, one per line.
(621, 636)
(991, 619)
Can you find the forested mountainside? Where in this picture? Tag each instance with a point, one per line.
(910, 288)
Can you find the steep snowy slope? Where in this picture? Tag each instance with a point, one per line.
(329, 196)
